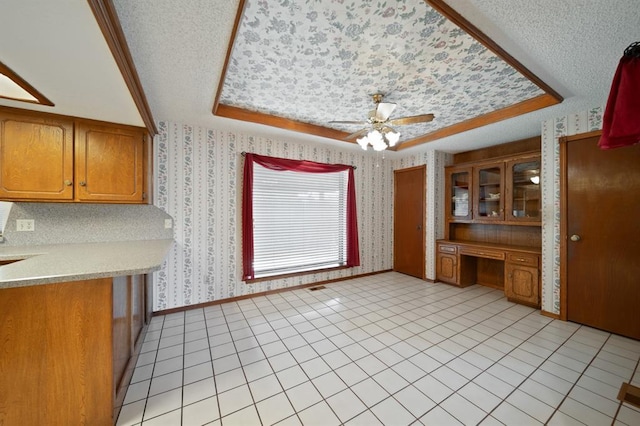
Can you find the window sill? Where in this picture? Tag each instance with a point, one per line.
(296, 274)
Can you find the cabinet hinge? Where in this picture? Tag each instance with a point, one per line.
(144, 195)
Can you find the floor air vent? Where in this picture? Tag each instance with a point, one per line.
(630, 394)
(320, 287)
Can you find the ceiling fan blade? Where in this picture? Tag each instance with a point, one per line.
(358, 133)
(384, 110)
(349, 122)
(424, 118)
(387, 128)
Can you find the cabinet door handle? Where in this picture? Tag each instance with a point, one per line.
(83, 183)
(520, 259)
(67, 182)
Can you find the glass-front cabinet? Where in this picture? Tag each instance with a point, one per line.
(489, 194)
(523, 201)
(459, 193)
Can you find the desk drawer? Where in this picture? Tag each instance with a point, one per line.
(447, 248)
(523, 259)
(481, 252)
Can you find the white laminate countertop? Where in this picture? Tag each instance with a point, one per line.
(47, 264)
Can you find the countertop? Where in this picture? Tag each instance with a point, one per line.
(46, 264)
(507, 247)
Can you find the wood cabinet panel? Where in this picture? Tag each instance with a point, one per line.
(109, 163)
(523, 259)
(137, 307)
(447, 268)
(36, 157)
(47, 157)
(514, 269)
(55, 369)
(459, 190)
(121, 324)
(488, 192)
(522, 284)
(67, 352)
(523, 201)
(499, 191)
(482, 252)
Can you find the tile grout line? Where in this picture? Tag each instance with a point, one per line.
(213, 376)
(620, 405)
(303, 305)
(415, 334)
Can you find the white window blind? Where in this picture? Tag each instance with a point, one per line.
(299, 221)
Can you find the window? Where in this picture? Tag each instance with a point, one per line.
(298, 216)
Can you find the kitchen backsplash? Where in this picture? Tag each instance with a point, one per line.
(56, 223)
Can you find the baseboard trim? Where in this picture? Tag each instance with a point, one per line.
(263, 293)
(550, 314)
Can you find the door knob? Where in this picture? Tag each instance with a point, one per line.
(419, 227)
(68, 182)
(575, 237)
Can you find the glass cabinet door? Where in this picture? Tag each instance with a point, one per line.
(489, 195)
(524, 202)
(459, 183)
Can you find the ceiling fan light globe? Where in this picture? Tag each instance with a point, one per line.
(380, 146)
(363, 142)
(393, 138)
(375, 137)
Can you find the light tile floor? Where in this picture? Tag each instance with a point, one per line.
(385, 349)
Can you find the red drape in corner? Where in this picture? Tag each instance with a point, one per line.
(273, 163)
(621, 120)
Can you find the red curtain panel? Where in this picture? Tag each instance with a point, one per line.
(303, 166)
(621, 120)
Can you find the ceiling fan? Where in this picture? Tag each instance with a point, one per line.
(380, 132)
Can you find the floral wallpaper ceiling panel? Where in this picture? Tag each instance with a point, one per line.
(314, 61)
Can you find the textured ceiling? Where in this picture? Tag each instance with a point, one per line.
(314, 62)
(179, 48)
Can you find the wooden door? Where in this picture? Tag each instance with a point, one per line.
(409, 221)
(109, 163)
(36, 158)
(601, 235)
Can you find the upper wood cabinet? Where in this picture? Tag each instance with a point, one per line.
(36, 157)
(459, 193)
(523, 202)
(51, 158)
(488, 194)
(109, 163)
(504, 191)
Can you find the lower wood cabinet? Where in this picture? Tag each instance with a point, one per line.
(516, 270)
(522, 280)
(67, 349)
(522, 284)
(447, 263)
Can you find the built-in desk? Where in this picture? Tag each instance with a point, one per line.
(513, 269)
